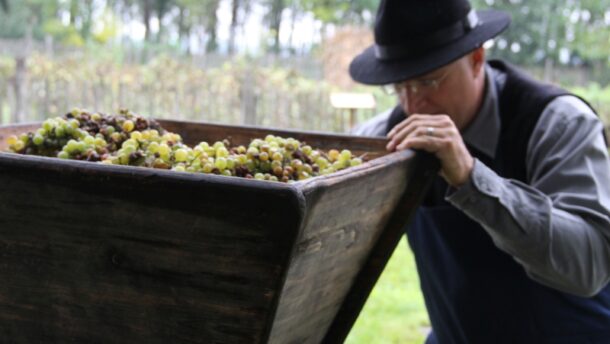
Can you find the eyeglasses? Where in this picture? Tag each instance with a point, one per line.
(422, 86)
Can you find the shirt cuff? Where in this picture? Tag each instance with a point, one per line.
(482, 180)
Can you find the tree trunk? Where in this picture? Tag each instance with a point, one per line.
(19, 88)
(234, 24)
(210, 27)
(248, 99)
(87, 18)
(73, 11)
(146, 14)
(275, 20)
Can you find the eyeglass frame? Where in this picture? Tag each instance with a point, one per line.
(428, 84)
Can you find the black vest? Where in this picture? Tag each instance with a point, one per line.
(476, 293)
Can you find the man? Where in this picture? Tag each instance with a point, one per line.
(512, 243)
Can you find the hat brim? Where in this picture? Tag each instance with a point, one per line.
(368, 69)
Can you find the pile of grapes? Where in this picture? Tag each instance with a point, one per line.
(129, 139)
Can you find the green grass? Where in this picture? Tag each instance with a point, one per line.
(395, 310)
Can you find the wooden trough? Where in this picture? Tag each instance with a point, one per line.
(113, 254)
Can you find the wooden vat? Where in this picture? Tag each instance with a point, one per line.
(113, 254)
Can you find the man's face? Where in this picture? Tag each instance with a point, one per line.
(449, 90)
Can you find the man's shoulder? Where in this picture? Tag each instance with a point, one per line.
(376, 126)
(570, 107)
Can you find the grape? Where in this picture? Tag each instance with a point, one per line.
(11, 140)
(181, 155)
(220, 163)
(128, 126)
(333, 155)
(38, 139)
(129, 139)
(345, 155)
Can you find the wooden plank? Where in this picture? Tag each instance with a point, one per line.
(168, 260)
(343, 222)
(420, 180)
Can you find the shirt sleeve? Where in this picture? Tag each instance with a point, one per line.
(557, 226)
(376, 126)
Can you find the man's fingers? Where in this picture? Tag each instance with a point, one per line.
(422, 138)
(415, 118)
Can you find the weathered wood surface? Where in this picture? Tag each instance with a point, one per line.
(120, 254)
(419, 180)
(343, 221)
(123, 257)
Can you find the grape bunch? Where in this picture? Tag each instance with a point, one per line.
(81, 135)
(129, 139)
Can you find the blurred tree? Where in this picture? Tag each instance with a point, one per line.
(162, 8)
(274, 21)
(572, 32)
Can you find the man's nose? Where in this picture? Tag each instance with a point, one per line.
(415, 100)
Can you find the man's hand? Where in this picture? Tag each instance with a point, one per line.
(436, 134)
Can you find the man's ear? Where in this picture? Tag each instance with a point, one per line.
(477, 60)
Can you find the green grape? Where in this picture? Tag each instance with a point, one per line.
(241, 150)
(242, 159)
(38, 139)
(220, 163)
(48, 125)
(90, 140)
(153, 147)
(12, 140)
(252, 151)
(72, 146)
(230, 163)
(181, 155)
(59, 131)
(207, 168)
(136, 135)
(128, 126)
(277, 156)
(18, 146)
(356, 162)
(323, 163)
(222, 152)
(333, 155)
(345, 155)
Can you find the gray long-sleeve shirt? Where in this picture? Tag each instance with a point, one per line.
(558, 225)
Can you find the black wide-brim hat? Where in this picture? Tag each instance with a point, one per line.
(414, 37)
